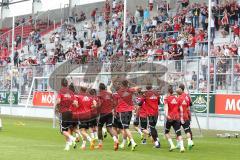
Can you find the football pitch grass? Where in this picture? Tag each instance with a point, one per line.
(35, 139)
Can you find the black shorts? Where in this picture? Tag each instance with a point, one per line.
(143, 123)
(186, 126)
(136, 121)
(66, 121)
(125, 119)
(116, 122)
(105, 119)
(176, 124)
(83, 125)
(152, 121)
(92, 123)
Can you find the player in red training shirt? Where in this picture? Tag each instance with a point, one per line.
(124, 110)
(85, 104)
(188, 98)
(184, 113)
(152, 102)
(139, 100)
(142, 113)
(64, 105)
(172, 112)
(106, 115)
(94, 114)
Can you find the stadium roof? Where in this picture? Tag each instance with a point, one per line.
(25, 6)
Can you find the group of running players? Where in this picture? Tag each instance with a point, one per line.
(91, 110)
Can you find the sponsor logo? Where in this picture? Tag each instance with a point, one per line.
(232, 105)
(11, 98)
(200, 104)
(184, 102)
(174, 101)
(42, 99)
(227, 104)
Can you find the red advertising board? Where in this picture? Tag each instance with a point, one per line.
(43, 99)
(227, 104)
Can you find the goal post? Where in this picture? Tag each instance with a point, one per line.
(41, 84)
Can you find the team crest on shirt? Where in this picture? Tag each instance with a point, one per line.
(125, 94)
(184, 102)
(107, 97)
(174, 101)
(85, 98)
(153, 97)
(67, 95)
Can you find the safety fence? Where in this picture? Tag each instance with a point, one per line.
(224, 75)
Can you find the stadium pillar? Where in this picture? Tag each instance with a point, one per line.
(208, 80)
(12, 65)
(124, 26)
(70, 8)
(4, 11)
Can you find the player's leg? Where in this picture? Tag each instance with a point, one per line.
(118, 128)
(111, 131)
(93, 129)
(83, 128)
(104, 132)
(77, 132)
(136, 126)
(101, 122)
(168, 136)
(187, 129)
(125, 119)
(65, 128)
(154, 133)
(143, 125)
(177, 128)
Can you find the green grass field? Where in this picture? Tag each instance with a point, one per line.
(35, 139)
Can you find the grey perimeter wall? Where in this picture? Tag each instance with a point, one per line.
(216, 122)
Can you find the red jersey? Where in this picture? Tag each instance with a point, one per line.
(193, 42)
(94, 110)
(177, 27)
(139, 100)
(85, 102)
(187, 97)
(189, 101)
(124, 100)
(173, 107)
(106, 100)
(143, 110)
(152, 99)
(66, 97)
(184, 102)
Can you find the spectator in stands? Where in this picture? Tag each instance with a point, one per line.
(196, 13)
(225, 23)
(204, 66)
(194, 80)
(18, 40)
(93, 14)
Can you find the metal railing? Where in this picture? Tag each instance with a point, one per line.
(224, 75)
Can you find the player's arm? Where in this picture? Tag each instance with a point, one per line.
(135, 88)
(166, 110)
(75, 102)
(94, 105)
(181, 113)
(189, 108)
(57, 107)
